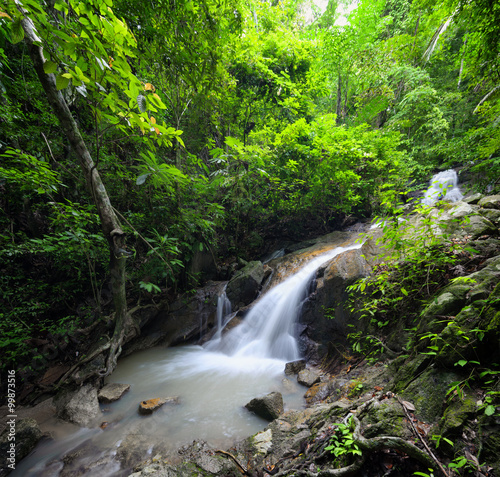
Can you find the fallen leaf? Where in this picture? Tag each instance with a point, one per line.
(408, 405)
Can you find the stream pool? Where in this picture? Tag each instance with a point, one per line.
(212, 387)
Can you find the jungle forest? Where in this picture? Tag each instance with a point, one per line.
(142, 140)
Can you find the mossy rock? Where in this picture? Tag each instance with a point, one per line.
(456, 415)
(404, 371)
(451, 299)
(386, 418)
(428, 391)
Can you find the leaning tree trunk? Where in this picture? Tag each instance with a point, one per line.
(109, 222)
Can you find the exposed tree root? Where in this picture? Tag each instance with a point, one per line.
(367, 446)
(112, 347)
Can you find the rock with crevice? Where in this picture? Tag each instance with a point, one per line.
(26, 434)
(490, 202)
(268, 407)
(245, 285)
(294, 367)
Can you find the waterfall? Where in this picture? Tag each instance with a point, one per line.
(443, 186)
(223, 317)
(268, 330)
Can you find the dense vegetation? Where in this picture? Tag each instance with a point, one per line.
(217, 128)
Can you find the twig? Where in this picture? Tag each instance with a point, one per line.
(235, 460)
(422, 440)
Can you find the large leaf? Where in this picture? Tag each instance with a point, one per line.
(49, 67)
(62, 82)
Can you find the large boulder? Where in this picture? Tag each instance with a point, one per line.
(268, 407)
(308, 377)
(184, 320)
(490, 202)
(245, 285)
(325, 316)
(79, 406)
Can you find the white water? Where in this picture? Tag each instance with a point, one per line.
(268, 329)
(443, 186)
(213, 384)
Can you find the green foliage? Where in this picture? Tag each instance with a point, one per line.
(417, 252)
(28, 173)
(343, 443)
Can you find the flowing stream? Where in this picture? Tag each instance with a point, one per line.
(213, 384)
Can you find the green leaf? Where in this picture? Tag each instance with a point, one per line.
(49, 67)
(490, 410)
(62, 82)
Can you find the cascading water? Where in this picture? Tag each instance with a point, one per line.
(213, 384)
(223, 317)
(268, 329)
(443, 186)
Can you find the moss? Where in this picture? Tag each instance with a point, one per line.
(404, 372)
(490, 443)
(385, 418)
(456, 415)
(494, 324)
(427, 392)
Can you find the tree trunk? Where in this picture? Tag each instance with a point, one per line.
(109, 222)
(338, 109)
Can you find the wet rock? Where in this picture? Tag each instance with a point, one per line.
(268, 407)
(330, 294)
(492, 215)
(112, 392)
(308, 377)
(135, 448)
(203, 460)
(80, 407)
(294, 367)
(151, 405)
(245, 285)
(27, 434)
(86, 459)
(179, 322)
